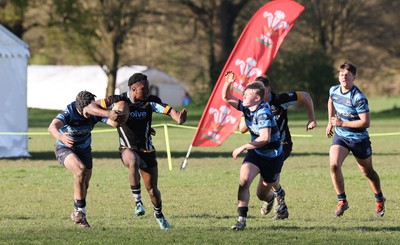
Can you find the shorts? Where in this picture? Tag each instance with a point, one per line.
(147, 159)
(287, 149)
(361, 148)
(85, 156)
(270, 168)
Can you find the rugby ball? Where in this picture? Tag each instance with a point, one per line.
(123, 111)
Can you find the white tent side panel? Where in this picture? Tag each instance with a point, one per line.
(170, 90)
(13, 93)
(54, 87)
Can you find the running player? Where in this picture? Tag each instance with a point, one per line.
(136, 148)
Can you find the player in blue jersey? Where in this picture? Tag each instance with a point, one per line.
(264, 151)
(280, 102)
(72, 128)
(136, 148)
(348, 112)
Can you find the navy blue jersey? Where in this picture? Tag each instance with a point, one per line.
(78, 127)
(258, 119)
(348, 106)
(135, 133)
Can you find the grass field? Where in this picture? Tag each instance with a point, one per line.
(200, 201)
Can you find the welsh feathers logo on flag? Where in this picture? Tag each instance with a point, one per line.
(252, 55)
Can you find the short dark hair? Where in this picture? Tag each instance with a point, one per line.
(137, 77)
(348, 66)
(258, 87)
(264, 79)
(83, 99)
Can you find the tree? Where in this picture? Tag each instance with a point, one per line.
(13, 16)
(308, 69)
(360, 31)
(101, 28)
(217, 18)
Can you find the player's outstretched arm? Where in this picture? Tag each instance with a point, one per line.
(227, 96)
(309, 105)
(179, 117)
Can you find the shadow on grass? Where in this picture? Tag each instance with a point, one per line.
(49, 155)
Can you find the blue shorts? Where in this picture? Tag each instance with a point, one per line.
(270, 168)
(361, 148)
(85, 156)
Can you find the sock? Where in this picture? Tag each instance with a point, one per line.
(279, 191)
(242, 213)
(379, 197)
(158, 211)
(80, 206)
(136, 192)
(342, 197)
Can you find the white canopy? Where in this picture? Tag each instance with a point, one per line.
(54, 87)
(14, 55)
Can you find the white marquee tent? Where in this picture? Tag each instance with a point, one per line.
(54, 87)
(14, 55)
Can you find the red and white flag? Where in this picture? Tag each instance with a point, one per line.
(252, 55)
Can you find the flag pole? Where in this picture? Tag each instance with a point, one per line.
(183, 165)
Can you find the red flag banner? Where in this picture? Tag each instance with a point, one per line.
(252, 55)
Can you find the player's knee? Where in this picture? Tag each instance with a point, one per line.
(243, 185)
(153, 191)
(334, 167)
(81, 173)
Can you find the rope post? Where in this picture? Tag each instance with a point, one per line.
(167, 146)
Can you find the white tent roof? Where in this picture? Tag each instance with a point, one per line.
(11, 45)
(54, 87)
(14, 56)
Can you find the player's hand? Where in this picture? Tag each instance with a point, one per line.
(182, 116)
(237, 152)
(152, 131)
(66, 139)
(336, 121)
(229, 77)
(311, 125)
(329, 131)
(113, 115)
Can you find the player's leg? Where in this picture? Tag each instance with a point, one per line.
(81, 183)
(131, 160)
(266, 194)
(337, 154)
(248, 172)
(270, 173)
(367, 169)
(150, 179)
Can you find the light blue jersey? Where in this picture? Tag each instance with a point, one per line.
(262, 118)
(348, 106)
(78, 127)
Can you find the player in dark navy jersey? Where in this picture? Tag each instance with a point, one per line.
(264, 152)
(348, 112)
(72, 128)
(280, 102)
(136, 148)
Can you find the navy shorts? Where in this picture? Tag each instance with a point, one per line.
(85, 156)
(270, 168)
(361, 148)
(147, 159)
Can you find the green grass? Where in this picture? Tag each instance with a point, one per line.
(199, 202)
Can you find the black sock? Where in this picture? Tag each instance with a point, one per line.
(342, 197)
(243, 211)
(379, 197)
(158, 211)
